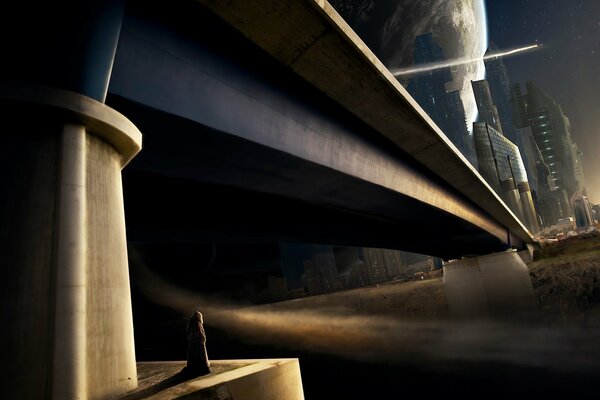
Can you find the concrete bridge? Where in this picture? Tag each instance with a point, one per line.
(262, 120)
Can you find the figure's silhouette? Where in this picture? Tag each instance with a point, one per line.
(197, 358)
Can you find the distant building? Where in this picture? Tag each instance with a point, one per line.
(552, 132)
(500, 90)
(444, 107)
(320, 273)
(531, 155)
(382, 265)
(582, 210)
(455, 127)
(558, 161)
(358, 276)
(552, 163)
(346, 257)
(375, 263)
(352, 267)
(578, 167)
(393, 263)
(488, 112)
(501, 165)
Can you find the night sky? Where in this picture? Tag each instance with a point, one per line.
(567, 67)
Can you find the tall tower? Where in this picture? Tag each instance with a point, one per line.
(444, 107)
(552, 133)
(488, 112)
(375, 262)
(501, 165)
(557, 162)
(429, 87)
(578, 168)
(454, 125)
(500, 90)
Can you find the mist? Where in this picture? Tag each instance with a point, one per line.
(436, 342)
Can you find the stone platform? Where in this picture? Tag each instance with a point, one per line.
(264, 379)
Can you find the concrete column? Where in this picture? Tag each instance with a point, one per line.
(64, 293)
(69, 370)
(68, 44)
(496, 285)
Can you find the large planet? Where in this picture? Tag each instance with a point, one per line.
(389, 28)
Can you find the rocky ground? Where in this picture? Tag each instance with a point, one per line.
(566, 280)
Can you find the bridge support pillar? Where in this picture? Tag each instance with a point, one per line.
(66, 317)
(496, 285)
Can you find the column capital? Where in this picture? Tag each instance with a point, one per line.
(99, 119)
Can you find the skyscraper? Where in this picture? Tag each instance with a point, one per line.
(499, 159)
(501, 165)
(454, 125)
(320, 273)
(444, 107)
(375, 262)
(551, 130)
(577, 154)
(531, 155)
(488, 112)
(551, 202)
(500, 90)
(429, 88)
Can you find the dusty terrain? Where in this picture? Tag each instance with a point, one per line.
(387, 338)
(566, 281)
(565, 278)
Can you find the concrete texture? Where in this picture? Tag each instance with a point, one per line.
(275, 379)
(65, 295)
(230, 115)
(103, 121)
(495, 285)
(311, 38)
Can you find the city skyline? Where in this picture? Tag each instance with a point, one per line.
(437, 46)
(543, 129)
(566, 67)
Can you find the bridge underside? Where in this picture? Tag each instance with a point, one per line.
(238, 147)
(272, 124)
(192, 183)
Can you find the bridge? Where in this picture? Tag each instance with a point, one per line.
(261, 120)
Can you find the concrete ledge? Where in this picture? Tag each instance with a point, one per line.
(98, 118)
(265, 379)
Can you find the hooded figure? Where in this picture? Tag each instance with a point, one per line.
(197, 358)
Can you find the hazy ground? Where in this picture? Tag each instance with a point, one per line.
(389, 338)
(565, 278)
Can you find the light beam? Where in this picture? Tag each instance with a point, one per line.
(460, 61)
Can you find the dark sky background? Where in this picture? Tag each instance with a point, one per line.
(567, 67)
